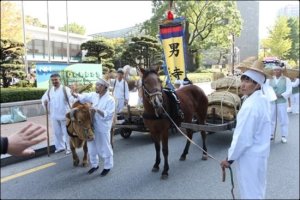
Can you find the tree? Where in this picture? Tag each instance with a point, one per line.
(33, 21)
(11, 21)
(73, 28)
(293, 24)
(11, 61)
(145, 49)
(278, 41)
(98, 51)
(208, 23)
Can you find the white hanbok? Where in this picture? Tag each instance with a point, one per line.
(295, 97)
(58, 107)
(101, 145)
(121, 93)
(250, 146)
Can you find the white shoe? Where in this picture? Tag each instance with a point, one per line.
(283, 140)
(58, 150)
(289, 109)
(68, 152)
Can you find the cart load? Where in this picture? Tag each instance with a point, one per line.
(230, 84)
(223, 105)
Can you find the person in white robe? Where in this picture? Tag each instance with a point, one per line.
(120, 91)
(282, 87)
(295, 96)
(250, 146)
(103, 106)
(58, 100)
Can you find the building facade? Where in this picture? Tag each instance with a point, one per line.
(37, 45)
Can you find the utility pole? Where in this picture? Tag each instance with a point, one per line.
(232, 54)
(68, 44)
(24, 40)
(49, 47)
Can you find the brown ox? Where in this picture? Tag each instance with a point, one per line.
(79, 128)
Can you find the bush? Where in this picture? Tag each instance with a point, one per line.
(20, 94)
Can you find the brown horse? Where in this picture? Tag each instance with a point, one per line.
(193, 104)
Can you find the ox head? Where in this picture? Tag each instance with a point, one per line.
(81, 121)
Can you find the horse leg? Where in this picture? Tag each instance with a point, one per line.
(187, 146)
(157, 160)
(165, 151)
(85, 157)
(203, 135)
(74, 154)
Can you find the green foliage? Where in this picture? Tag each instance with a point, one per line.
(98, 51)
(20, 94)
(34, 22)
(278, 41)
(73, 28)
(293, 24)
(11, 61)
(144, 49)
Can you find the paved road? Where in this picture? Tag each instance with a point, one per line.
(131, 178)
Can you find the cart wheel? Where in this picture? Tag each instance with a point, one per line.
(125, 132)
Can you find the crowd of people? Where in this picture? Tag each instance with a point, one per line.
(250, 146)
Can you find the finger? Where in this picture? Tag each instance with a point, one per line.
(33, 131)
(37, 140)
(28, 152)
(36, 133)
(26, 128)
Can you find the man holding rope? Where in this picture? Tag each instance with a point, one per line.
(250, 144)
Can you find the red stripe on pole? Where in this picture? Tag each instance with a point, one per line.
(170, 29)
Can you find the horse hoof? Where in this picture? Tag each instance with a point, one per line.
(75, 163)
(164, 176)
(204, 157)
(154, 169)
(182, 158)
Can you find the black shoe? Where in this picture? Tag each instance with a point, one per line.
(104, 172)
(93, 169)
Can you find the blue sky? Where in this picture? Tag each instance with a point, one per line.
(101, 16)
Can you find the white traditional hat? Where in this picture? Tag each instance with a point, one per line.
(177, 82)
(120, 70)
(102, 82)
(254, 70)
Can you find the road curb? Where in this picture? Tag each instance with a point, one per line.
(15, 159)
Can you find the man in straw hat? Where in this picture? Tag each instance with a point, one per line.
(250, 144)
(283, 88)
(120, 90)
(103, 107)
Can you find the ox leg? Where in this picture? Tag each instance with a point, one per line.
(155, 167)
(203, 135)
(165, 151)
(85, 155)
(187, 146)
(74, 154)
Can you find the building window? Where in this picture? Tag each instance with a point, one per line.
(39, 48)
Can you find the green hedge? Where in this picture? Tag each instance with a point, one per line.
(20, 94)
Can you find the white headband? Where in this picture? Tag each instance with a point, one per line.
(102, 82)
(277, 67)
(256, 76)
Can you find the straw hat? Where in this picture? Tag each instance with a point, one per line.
(291, 73)
(256, 65)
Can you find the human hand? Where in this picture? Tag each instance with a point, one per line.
(74, 94)
(278, 95)
(19, 143)
(225, 164)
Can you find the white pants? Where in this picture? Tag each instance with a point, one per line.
(120, 104)
(61, 137)
(282, 118)
(295, 103)
(251, 172)
(100, 146)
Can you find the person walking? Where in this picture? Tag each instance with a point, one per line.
(58, 101)
(103, 107)
(283, 89)
(120, 91)
(295, 96)
(250, 146)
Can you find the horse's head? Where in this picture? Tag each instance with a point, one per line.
(152, 87)
(81, 122)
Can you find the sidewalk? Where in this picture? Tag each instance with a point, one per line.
(41, 149)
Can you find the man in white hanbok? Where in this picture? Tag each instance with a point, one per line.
(103, 106)
(283, 89)
(250, 144)
(120, 91)
(295, 96)
(58, 100)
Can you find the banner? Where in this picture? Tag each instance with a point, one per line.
(172, 39)
(79, 73)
